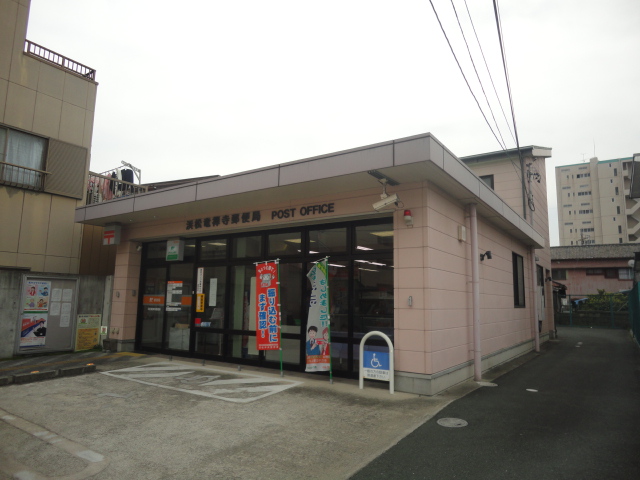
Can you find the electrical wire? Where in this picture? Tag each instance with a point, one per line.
(504, 115)
(503, 144)
(462, 72)
(513, 116)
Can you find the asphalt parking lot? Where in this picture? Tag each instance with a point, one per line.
(147, 417)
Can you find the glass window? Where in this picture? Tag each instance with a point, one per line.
(214, 249)
(339, 301)
(243, 292)
(611, 273)
(559, 274)
(518, 280)
(328, 240)
(625, 274)
(26, 152)
(214, 289)
(291, 275)
(285, 243)
(156, 250)
(178, 306)
(247, 247)
(488, 179)
(209, 343)
(290, 352)
(374, 237)
(153, 301)
(373, 292)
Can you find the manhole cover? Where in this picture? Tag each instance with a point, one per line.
(452, 422)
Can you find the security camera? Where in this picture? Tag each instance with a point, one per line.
(385, 202)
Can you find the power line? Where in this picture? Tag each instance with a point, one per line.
(488, 71)
(503, 144)
(513, 116)
(462, 72)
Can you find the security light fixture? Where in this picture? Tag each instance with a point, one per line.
(486, 255)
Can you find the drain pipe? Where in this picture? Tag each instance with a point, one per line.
(475, 285)
(534, 284)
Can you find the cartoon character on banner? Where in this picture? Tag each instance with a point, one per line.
(265, 279)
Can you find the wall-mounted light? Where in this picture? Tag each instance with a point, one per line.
(139, 248)
(486, 255)
(408, 219)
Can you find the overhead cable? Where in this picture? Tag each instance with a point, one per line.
(502, 144)
(462, 72)
(489, 71)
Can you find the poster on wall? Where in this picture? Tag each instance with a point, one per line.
(36, 296)
(88, 333)
(267, 306)
(318, 335)
(33, 331)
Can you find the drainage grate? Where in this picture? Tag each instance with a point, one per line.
(452, 422)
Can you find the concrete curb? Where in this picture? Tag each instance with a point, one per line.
(23, 378)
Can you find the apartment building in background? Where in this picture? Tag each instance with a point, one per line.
(594, 206)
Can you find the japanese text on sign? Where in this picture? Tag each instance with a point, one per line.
(216, 221)
(267, 307)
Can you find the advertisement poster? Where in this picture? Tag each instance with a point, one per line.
(37, 296)
(88, 333)
(267, 306)
(318, 336)
(33, 331)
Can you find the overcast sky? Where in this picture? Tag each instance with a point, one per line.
(218, 87)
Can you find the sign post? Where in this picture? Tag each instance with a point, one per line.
(376, 365)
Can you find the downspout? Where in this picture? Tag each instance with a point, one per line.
(475, 285)
(534, 283)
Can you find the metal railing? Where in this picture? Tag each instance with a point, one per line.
(103, 188)
(60, 60)
(23, 177)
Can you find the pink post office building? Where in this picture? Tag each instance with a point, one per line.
(452, 264)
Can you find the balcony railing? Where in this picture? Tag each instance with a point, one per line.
(103, 188)
(22, 177)
(60, 60)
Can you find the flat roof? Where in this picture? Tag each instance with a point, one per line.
(407, 160)
(587, 162)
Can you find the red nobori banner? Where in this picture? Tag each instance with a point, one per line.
(267, 306)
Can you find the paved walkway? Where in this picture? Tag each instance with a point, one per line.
(571, 413)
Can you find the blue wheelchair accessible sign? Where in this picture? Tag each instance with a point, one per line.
(376, 365)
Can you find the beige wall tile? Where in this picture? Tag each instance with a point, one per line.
(25, 71)
(74, 266)
(51, 81)
(9, 13)
(411, 318)
(35, 223)
(409, 361)
(410, 278)
(4, 86)
(75, 90)
(11, 201)
(21, 104)
(77, 240)
(8, 259)
(412, 340)
(72, 124)
(92, 91)
(87, 135)
(443, 359)
(46, 120)
(55, 264)
(61, 225)
(34, 262)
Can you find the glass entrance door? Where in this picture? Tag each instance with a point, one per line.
(153, 300)
(178, 306)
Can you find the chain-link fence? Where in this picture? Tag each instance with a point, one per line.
(604, 310)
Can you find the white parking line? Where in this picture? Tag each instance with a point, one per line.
(239, 387)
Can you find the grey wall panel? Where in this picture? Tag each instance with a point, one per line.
(246, 182)
(164, 198)
(336, 165)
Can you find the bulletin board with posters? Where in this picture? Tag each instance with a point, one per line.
(47, 314)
